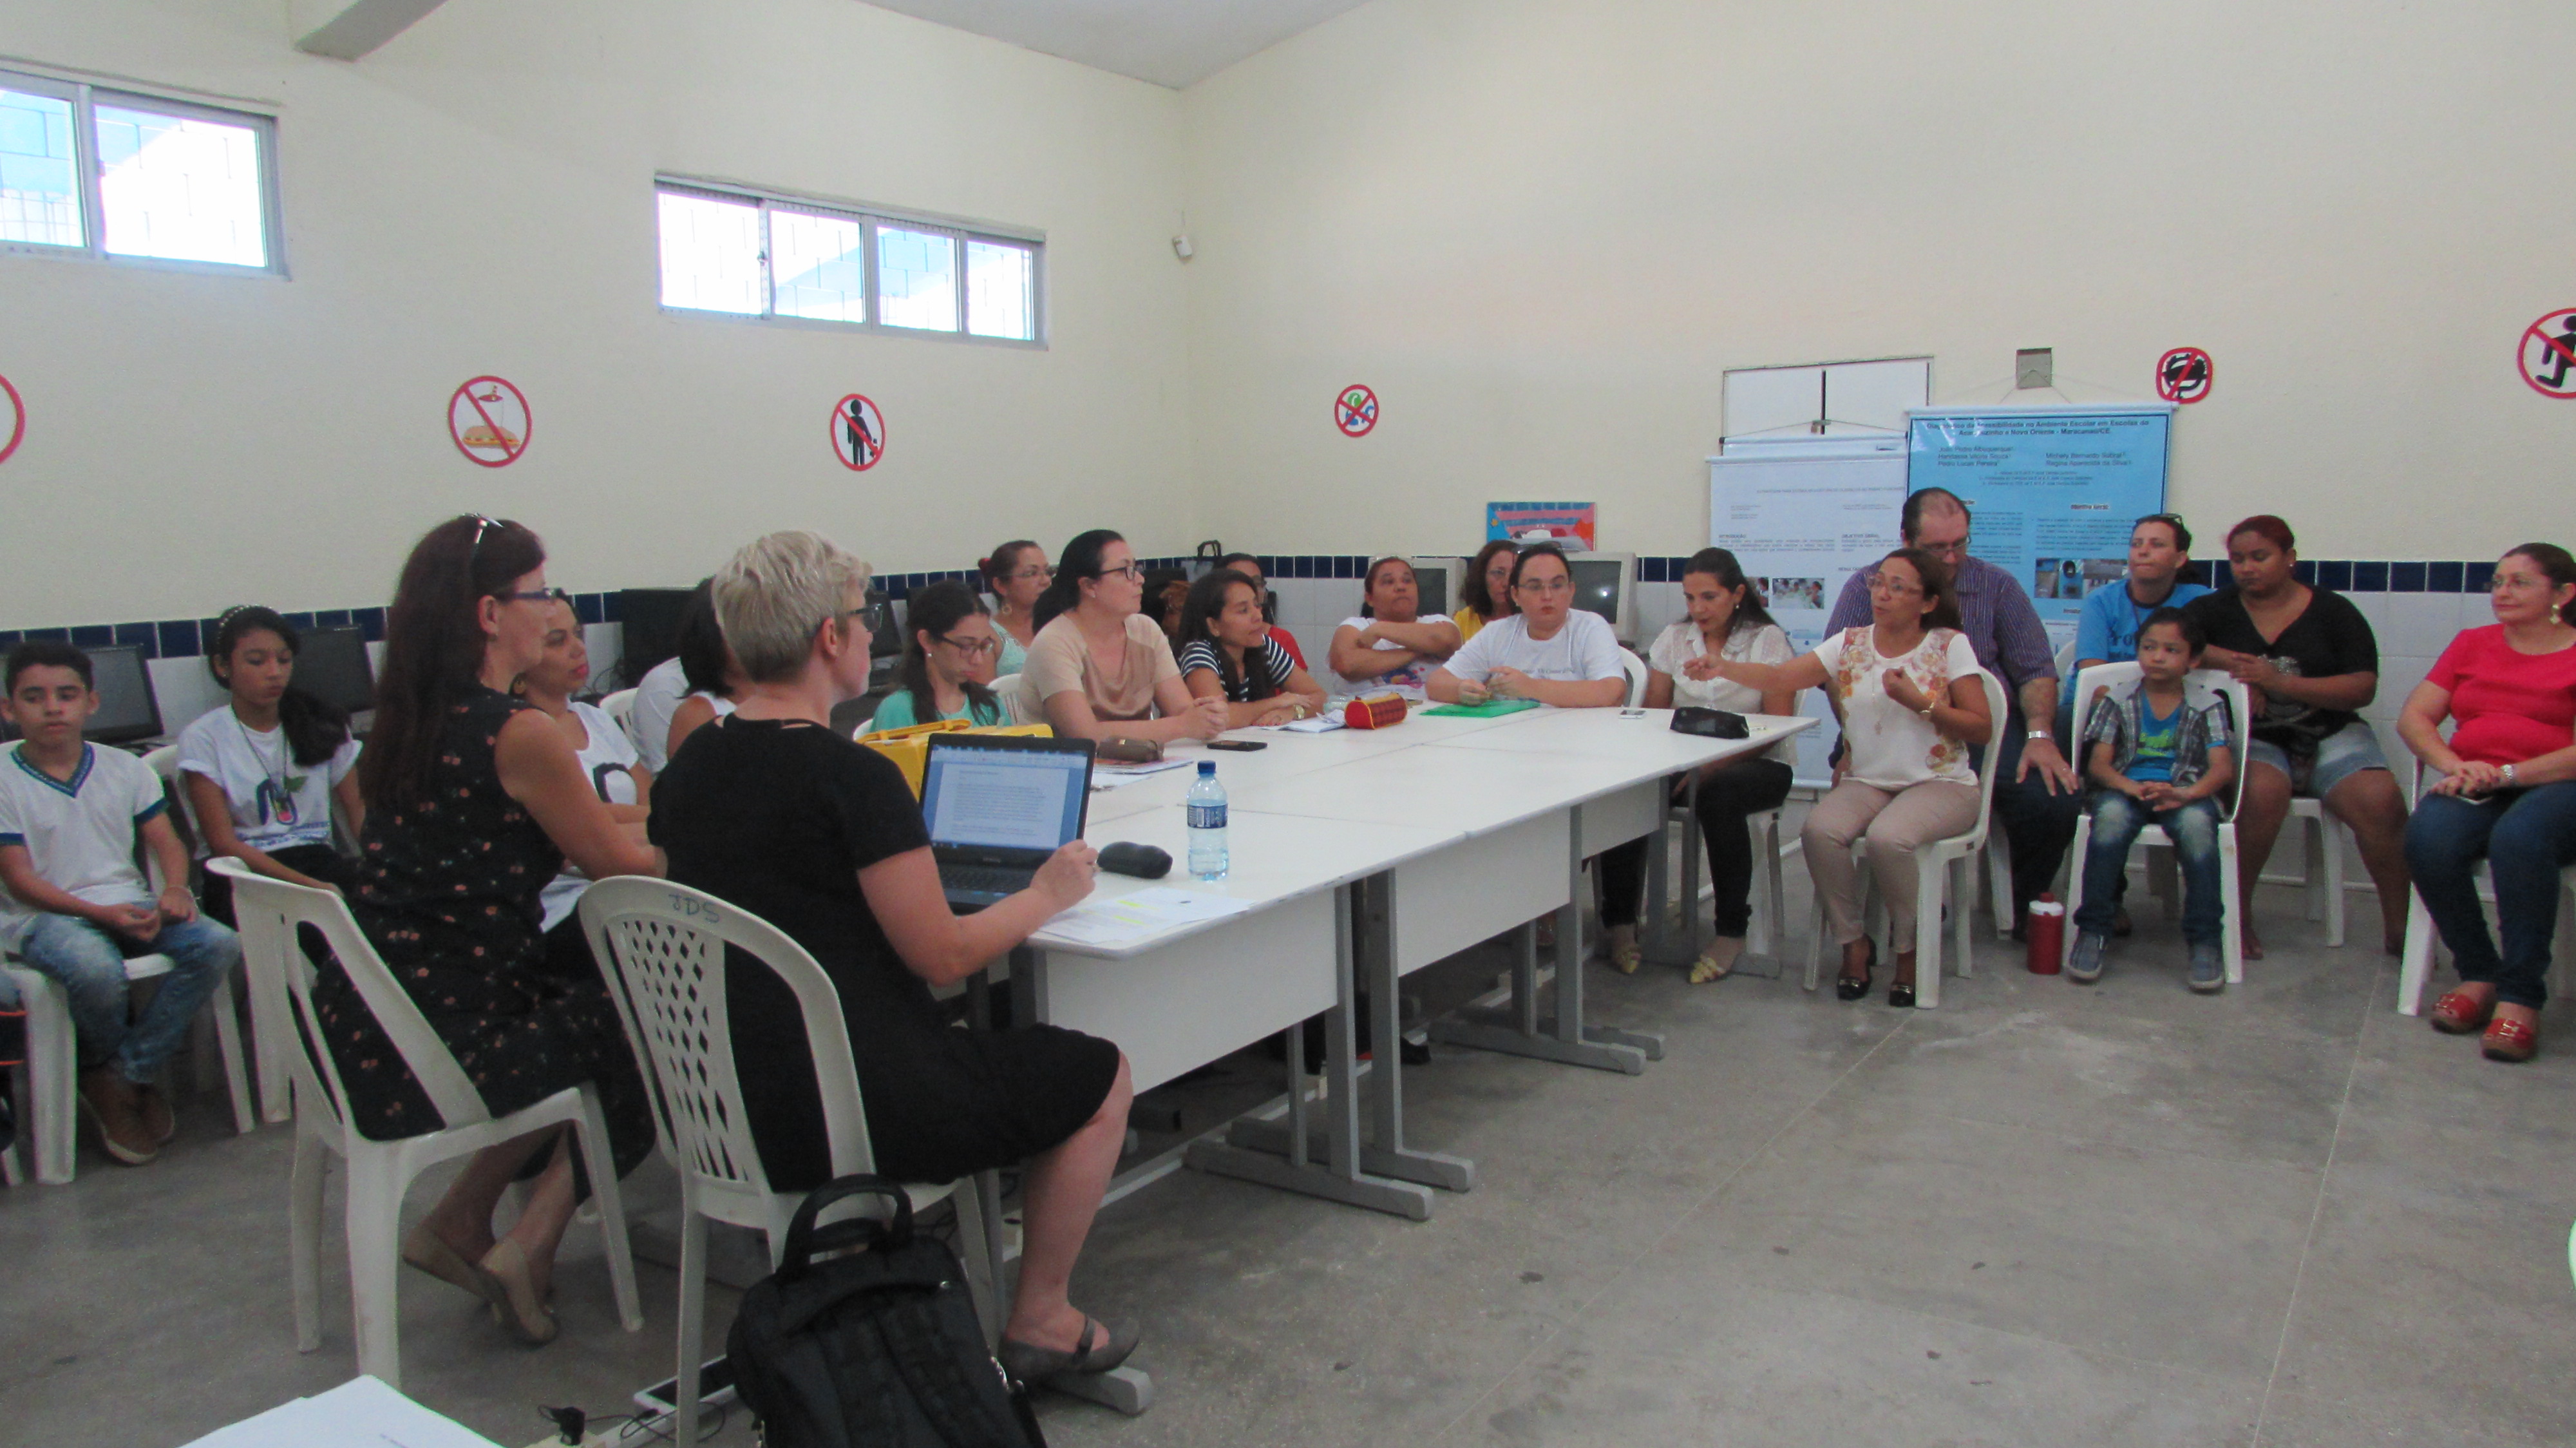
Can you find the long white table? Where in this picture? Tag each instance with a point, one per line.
(1374, 853)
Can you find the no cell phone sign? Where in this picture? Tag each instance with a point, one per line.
(1355, 411)
(2183, 375)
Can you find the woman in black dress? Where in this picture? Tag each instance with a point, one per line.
(474, 802)
(772, 809)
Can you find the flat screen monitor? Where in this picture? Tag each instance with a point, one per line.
(127, 708)
(1604, 584)
(331, 665)
(885, 635)
(1436, 581)
(649, 628)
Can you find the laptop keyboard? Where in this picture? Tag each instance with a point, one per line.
(983, 879)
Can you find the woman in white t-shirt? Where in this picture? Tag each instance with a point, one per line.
(659, 692)
(1392, 645)
(715, 680)
(1913, 706)
(1727, 621)
(1549, 651)
(608, 758)
(263, 772)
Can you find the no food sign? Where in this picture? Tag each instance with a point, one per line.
(488, 420)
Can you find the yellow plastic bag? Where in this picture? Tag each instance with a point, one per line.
(909, 747)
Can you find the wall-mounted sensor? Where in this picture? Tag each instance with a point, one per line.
(1181, 246)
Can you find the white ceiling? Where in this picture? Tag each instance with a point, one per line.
(1169, 42)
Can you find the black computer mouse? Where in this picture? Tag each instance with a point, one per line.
(1142, 861)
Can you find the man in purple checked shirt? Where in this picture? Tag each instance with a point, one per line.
(2037, 795)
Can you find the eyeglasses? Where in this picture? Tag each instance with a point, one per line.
(1041, 571)
(2517, 582)
(1546, 585)
(1893, 587)
(1129, 570)
(535, 595)
(971, 648)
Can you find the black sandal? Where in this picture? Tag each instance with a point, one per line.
(1900, 995)
(1848, 989)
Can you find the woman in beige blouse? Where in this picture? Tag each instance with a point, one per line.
(1099, 666)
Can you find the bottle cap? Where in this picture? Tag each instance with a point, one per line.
(1207, 767)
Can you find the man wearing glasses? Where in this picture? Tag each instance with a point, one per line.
(2037, 795)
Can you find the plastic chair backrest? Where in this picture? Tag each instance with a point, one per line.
(1017, 706)
(662, 947)
(1995, 707)
(1635, 668)
(2238, 697)
(267, 913)
(164, 762)
(619, 707)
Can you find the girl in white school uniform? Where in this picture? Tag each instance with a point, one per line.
(264, 772)
(608, 759)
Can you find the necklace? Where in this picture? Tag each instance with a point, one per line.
(276, 802)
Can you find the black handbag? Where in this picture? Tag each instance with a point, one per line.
(1710, 723)
(879, 1346)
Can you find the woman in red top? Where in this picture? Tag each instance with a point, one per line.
(2507, 793)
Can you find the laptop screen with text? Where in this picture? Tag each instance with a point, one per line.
(1008, 798)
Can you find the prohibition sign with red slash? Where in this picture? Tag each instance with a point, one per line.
(2183, 375)
(489, 420)
(17, 419)
(1355, 411)
(858, 433)
(2548, 358)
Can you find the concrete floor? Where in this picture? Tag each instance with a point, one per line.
(2043, 1214)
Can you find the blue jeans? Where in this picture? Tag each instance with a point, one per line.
(2117, 822)
(2526, 837)
(89, 961)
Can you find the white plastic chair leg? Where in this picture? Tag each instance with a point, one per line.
(1962, 875)
(1930, 873)
(304, 1236)
(2231, 926)
(2075, 885)
(228, 1045)
(693, 1313)
(52, 1078)
(601, 1164)
(2330, 840)
(2415, 961)
(374, 1220)
(983, 1282)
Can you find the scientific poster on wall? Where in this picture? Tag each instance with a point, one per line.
(2053, 489)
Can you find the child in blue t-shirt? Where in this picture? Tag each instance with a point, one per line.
(2158, 751)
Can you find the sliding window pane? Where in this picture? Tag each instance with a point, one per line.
(1000, 297)
(821, 263)
(711, 255)
(181, 188)
(917, 279)
(39, 192)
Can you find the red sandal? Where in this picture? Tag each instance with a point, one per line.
(2457, 1013)
(2511, 1040)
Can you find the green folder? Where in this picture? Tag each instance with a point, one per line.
(1490, 709)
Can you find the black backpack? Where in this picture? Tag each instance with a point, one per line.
(876, 1347)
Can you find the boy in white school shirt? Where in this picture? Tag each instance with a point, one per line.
(75, 905)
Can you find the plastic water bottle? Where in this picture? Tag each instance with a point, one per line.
(1207, 824)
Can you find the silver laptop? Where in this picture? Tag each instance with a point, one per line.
(998, 805)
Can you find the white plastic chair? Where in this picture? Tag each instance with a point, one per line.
(2415, 961)
(1635, 668)
(1019, 704)
(662, 947)
(381, 1172)
(1935, 865)
(2239, 702)
(50, 1089)
(620, 708)
(274, 1104)
(2321, 836)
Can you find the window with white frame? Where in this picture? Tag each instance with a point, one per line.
(89, 170)
(755, 254)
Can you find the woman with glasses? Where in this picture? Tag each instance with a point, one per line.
(1015, 574)
(475, 800)
(1913, 708)
(948, 668)
(2507, 794)
(2313, 664)
(1102, 669)
(1485, 594)
(1549, 651)
(1227, 653)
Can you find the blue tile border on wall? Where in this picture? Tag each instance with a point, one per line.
(179, 638)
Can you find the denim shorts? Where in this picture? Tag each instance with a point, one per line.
(2340, 755)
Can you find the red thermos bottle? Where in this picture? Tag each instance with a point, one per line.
(2047, 935)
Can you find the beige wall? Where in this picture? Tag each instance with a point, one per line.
(1542, 229)
(477, 197)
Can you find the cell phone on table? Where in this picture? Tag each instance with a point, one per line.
(1237, 746)
(1632, 713)
(715, 1388)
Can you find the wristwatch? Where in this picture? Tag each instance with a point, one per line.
(2508, 776)
(2036, 734)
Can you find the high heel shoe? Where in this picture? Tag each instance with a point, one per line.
(1848, 989)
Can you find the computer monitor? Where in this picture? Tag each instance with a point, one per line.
(885, 635)
(127, 708)
(1437, 580)
(1606, 584)
(331, 665)
(649, 626)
